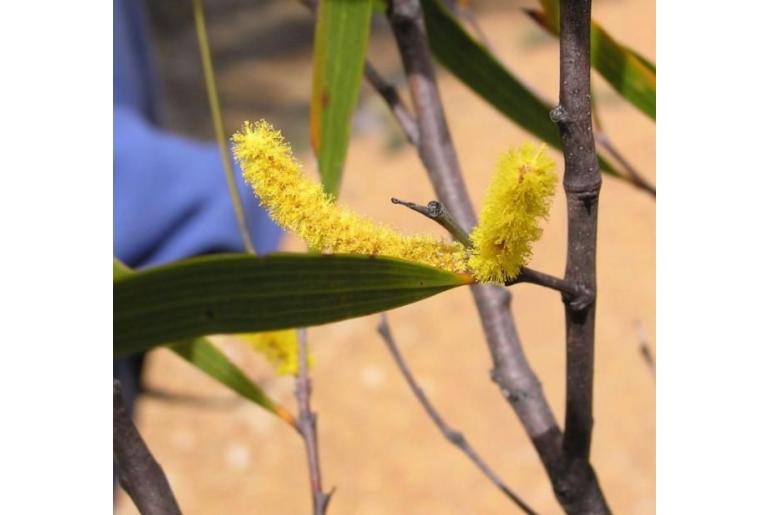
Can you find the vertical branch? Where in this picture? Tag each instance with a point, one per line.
(306, 425)
(139, 474)
(582, 182)
(453, 436)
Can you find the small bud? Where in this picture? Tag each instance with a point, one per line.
(558, 114)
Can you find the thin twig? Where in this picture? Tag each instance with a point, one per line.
(139, 473)
(518, 384)
(466, 13)
(306, 425)
(576, 295)
(644, 347)
(603, 139)
(452, 435)
(436, 211)
(216, 117)
(389, 93)
(579, 490)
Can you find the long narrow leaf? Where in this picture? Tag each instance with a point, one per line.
(483, 73)
(202, 354)
(339, 51)
(236, 293)
(630, 74)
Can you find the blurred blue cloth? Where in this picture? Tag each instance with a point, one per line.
(170, 196)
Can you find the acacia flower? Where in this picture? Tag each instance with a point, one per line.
(519, 196)
(281, 348)
(300, 205)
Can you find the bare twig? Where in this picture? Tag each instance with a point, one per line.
(452, 435)
(139, 474)
(579, 490)
(389, 94)
(466, 13)
(511, 371)
(603, 139)
(644, 347)
(436, 211)
(575, 294)
(306, 425)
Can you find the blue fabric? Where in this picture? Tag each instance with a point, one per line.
(170, 195)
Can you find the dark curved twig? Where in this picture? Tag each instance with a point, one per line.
(139, 473)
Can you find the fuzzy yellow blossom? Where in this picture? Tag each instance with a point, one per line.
(519, 196)
(299, 204)
(281, 348)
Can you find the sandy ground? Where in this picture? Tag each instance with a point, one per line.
(380, 451)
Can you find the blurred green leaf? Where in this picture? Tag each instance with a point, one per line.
(237, 293)
(630, 74)
(202, 354)
(483, 73)
(339, 51)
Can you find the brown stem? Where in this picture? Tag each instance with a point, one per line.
(139, 473)
(578, 490)
(511, 371)
(452, 435)
(307, 425)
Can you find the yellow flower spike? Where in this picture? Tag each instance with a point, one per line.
(300, 205)
(281, 349)
(519, 196)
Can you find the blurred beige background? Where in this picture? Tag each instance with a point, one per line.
(378, 448)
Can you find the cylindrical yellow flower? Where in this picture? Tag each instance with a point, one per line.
(519, 196)
(300, 205)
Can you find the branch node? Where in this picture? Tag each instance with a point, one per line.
(583, 300)
(455, 437)
(559, 115)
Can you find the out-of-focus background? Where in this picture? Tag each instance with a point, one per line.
(378, 448)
